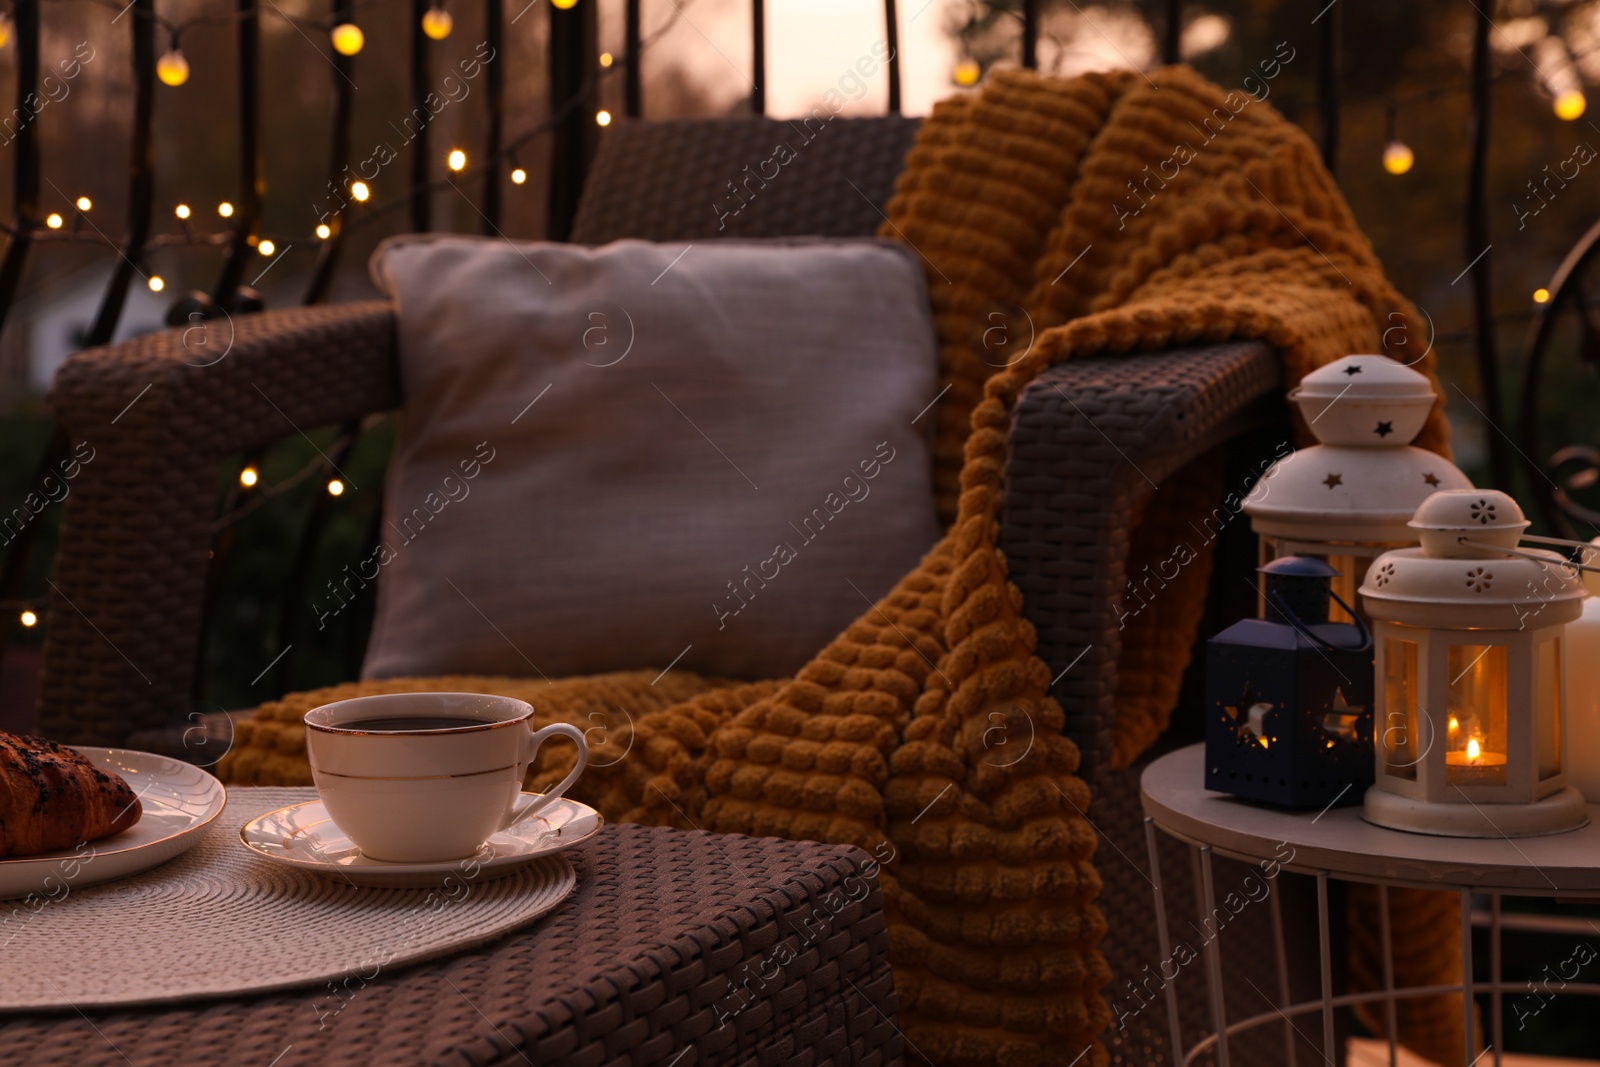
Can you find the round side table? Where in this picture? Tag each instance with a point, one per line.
(1338, 843)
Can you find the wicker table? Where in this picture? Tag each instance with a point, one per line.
(675, 949)
(1338, 843)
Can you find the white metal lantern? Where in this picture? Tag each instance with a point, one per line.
(1347, 499)
(1471, 705)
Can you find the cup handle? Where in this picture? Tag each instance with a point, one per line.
(527, 804)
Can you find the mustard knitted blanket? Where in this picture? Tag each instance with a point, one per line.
(1121, 213)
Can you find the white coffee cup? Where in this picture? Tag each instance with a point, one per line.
(428, 777)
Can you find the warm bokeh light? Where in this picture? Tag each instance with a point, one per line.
(967, 73)
(347, 38)
(1541, 295)
(182, 211)
(606, 59)
(266, 248)
(157, 283)
(172, 68)
(248, 477)
(456, 160)
(5, 29)
(29, 619)
(1570, 105)
(335, 488)
(323, 231)
(53, 220)
(225, 209)
(1398, 157)
(518, 176)
(437, 23)
(360, 191)
(564, 5)
(602, 118)
(84, 203)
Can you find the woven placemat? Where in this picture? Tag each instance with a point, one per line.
(220, 921)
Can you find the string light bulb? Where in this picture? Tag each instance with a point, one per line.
(225, 209)
(602, 117)
(172, 68)
(249, 477)
(323, 231)
(53, 220)
(347, 38)
(29, 619)
(1541, 295)
(335, 487)
(266, 247)
(84, 204)
(182, 211)
(967, 73)
(456, 160)
(360, 191)
(606, 59)
(1398, 157)
(437, 23)
(157, 283)
(1570, 105)
(518, 176)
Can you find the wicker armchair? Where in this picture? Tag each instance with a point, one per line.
(1090, 440)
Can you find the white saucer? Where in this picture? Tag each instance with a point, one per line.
(179, 801)
(303, 836)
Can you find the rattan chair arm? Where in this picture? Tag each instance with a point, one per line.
(1090, 439)
(151, 420)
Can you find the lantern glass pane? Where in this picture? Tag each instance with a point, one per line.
(1351, 570)
(1547, 709)
(1475, 724)
(1400, 747)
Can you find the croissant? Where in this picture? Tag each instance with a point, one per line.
(52, 797)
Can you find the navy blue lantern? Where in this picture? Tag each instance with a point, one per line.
(1289, 696)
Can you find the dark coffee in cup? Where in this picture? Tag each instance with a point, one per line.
(403, 724)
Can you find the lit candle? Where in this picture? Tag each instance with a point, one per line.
(1472, 765)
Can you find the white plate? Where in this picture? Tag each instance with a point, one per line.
(303, 836)
(179, 801)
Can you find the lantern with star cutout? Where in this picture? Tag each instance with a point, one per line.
(1289, 696)
(1348, 498)
(1471, 690)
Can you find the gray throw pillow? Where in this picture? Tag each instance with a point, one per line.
(711, 456)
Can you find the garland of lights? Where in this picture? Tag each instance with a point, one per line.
(346, 38)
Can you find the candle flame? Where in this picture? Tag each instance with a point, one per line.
(1454, 724)
(1472, 750)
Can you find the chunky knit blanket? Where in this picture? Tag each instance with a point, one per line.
(1122, 213)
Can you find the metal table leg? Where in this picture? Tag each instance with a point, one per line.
(1165, 940)
(1285, 993)
(1494, 977)
(1466, 973)
(1390, 1012)
(1219, 1010)
(1325, 936)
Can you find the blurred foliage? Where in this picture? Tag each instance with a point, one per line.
(267, 636)
(25, 429)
